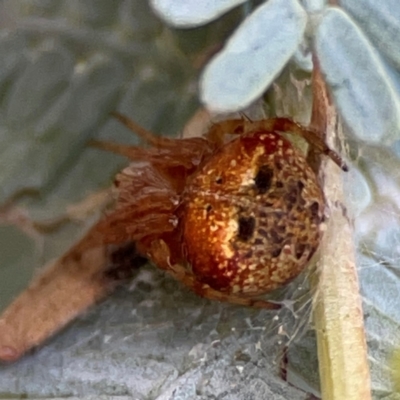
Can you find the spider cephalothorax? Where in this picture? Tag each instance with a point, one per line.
(232, 215)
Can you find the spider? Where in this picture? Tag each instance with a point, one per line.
(232, 215)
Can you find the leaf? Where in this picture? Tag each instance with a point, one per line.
(191, 13)
(253, 56)
(358, 81)
(18, 250)
(30, 93)
(381, 21)
(42, 103)
(378, 235)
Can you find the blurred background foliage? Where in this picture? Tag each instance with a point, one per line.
(64, 65)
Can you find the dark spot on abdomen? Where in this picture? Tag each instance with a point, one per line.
(246, 228)
(276, 253)
(263, 179)
(300, 248)
(314, 208)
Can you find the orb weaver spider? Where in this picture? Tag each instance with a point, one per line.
(232, 215)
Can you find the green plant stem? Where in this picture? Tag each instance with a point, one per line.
(338, 316)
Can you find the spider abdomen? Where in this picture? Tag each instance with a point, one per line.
(252, 215)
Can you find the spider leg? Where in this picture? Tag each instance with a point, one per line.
(186, 152)
(287, 125)
(160, 255)
(240, 126)
(143, 133)
(132, 152)
(173, 144)
(128, 225)
(218, 130)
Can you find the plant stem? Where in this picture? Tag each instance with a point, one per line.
(338, 316)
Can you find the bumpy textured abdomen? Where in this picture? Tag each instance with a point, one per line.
(252, 215)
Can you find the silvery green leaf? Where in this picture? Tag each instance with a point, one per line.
(38, 110)
(191, 13)
(381, 21)
(18, 250)
(314, 5)
(377, 236)
(30, 94)
(358, 81)
(253, 56)
(380, 288)
(359, 194)
(11, 62)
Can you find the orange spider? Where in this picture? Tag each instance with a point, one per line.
(232, 215)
